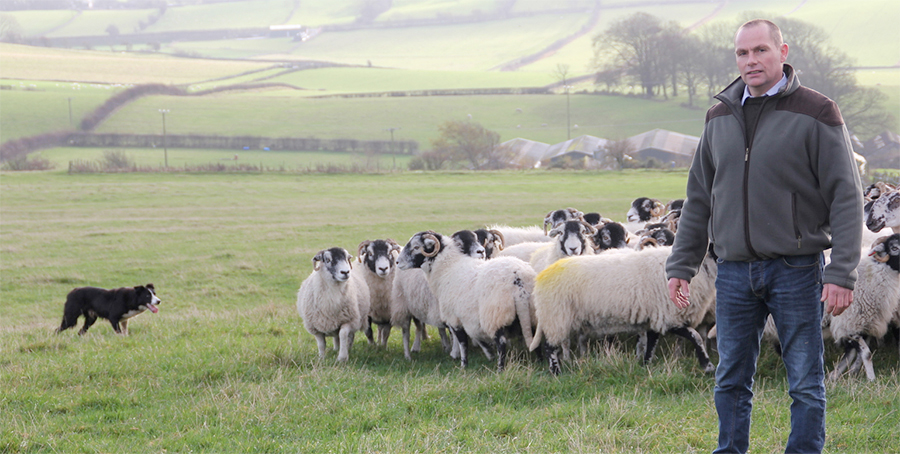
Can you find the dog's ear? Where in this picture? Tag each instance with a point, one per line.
(150, 286)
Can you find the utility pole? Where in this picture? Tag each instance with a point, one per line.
(393, 152)
(165, 141)
(70, 111)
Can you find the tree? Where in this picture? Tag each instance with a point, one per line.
(112, 30)
(471, 143)
(616, 152)
(10, 29)
(632, 44)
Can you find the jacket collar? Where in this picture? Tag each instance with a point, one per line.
(733, 93)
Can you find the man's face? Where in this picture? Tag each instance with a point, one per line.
(758, 58)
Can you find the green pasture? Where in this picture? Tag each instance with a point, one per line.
(40, 22)
(272, 114)
(315, 13)
(291, 161)
(226, 365)
(96, 22)
(37, 63)
(30, 108)
(247, 14)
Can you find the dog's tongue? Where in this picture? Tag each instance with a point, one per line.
(152, 308)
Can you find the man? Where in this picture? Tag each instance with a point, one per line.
(772, 185)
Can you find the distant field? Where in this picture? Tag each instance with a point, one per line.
(39, 22)
(250, 14)
(30, 108)
(97, 21)
(291, 161)
(33, 63)
(279, 114)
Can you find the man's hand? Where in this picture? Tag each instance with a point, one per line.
(679, 292)
(837, 298)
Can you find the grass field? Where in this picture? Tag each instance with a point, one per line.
(227, 367)
(272, 114)
(292, 161)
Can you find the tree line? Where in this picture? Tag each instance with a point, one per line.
(662, 58)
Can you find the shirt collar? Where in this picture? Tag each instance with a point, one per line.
(772, 91)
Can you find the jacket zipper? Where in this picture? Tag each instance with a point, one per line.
(748, 141)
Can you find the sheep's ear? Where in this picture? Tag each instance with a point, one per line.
(556, 231)
(395, 248)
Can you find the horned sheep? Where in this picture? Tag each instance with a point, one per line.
(333, 301)
(618, 292)
(479, 300)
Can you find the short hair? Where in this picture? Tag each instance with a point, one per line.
(774, 31)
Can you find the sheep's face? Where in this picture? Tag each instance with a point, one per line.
(884, 210)
(335, 262)
(468, 243)
(887, 250)
(572, 237)
(492, 240)
(421, 248)
(643, 209)
(593, 219)
(379, 256)
(610, 236)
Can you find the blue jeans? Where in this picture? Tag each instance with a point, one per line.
(789, 288)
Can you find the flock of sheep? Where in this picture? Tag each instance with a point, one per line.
(578, 277)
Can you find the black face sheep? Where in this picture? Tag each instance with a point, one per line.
(611, 235)
(556, 218)
(618, 292)
(644, 210)
(377, 258)
(876, 301)
(884, 212)
(481, 300)
(333, 301)
(413, 301)
(492, 240)
(571, 238)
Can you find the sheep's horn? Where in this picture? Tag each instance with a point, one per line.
(437, 245)
(590, 229)
(498, 235)
(317, 261)
(657, 209)
(879, 256)
(648, 241)
(362, 247)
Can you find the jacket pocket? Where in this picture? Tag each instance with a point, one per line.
(795, 218)
(712, 219)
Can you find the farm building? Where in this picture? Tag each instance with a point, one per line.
(580, 148)
(524, 153)
(664, 146)
(883, 150)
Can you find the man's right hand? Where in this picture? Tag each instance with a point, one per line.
(679, 292)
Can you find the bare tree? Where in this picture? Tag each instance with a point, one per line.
(615, 152)
(632, 44)
(469, 142)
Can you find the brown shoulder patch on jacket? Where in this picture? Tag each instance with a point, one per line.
(718, 110)
(809, 102)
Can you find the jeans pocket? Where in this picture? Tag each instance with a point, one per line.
(801, 261)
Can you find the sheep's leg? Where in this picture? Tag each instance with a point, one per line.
(848, 357)
(651, 339)
(641, 346)
(350, 338)
(454, 349)
(502, 343)
(865, 356)
(320, 341)
(552, 354)
(345, 335)
(337, 342)
(368, 331)
(699, 348)
(421, 333)
(486, 349)
(463, 339)
(446, 342)
(404, 327)
(384, 332)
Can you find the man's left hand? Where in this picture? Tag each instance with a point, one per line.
(837, 298)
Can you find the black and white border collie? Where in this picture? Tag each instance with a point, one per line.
(116, 305)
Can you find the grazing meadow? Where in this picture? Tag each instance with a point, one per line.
(226, 366)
